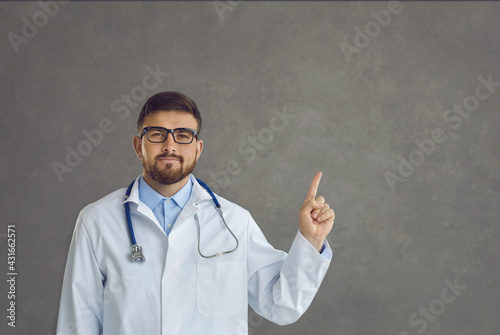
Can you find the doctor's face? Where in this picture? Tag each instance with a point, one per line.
(168, 162)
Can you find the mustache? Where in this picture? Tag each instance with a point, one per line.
(180, 158)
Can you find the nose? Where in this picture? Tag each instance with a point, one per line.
(169, 144)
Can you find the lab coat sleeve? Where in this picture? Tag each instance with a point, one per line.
(80, 309)
(282, 286)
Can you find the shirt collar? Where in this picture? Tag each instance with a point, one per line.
(198, 193)
(151, 198)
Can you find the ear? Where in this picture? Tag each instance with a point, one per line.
(137, 143)
(199, 148)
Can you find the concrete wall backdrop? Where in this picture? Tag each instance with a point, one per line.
(397, 103)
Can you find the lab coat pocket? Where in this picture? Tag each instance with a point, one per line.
(220, 287)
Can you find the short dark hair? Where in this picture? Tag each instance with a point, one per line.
(169, 101)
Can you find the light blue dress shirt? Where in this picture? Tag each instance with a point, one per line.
(165, 209)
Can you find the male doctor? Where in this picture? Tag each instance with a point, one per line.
(199, 276)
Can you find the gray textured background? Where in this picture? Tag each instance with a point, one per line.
(355, 120)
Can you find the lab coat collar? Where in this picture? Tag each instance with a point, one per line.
(198, 193)
(141, 207)
(134, 192)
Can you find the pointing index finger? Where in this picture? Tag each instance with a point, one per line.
(311, 194)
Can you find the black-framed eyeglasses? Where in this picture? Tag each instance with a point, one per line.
(160, 134)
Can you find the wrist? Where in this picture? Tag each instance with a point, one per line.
(318, 245)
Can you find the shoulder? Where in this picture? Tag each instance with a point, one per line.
(113, 202)
(225, 203)
(234, 212)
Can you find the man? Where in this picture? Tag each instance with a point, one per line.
(201, 269)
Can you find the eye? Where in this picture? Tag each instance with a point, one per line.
(184, 134)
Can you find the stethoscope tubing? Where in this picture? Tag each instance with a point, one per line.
(127, 213)
(137, 254)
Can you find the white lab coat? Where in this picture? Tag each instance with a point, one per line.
(176, 291)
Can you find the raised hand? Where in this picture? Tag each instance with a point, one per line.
(315, 217)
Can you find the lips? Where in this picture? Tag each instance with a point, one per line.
(170, 159)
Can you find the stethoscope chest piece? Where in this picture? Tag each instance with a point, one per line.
(137, 255)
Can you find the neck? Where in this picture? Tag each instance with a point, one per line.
(165, 190)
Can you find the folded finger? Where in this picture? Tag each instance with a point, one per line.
(327, 215)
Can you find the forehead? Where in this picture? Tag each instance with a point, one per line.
(171, 120)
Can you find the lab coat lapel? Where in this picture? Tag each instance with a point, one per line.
(198, 194)
(185, 232)
(142, 207)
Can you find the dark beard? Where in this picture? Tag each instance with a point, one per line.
(166, 175)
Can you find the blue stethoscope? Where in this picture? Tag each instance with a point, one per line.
(138, 255)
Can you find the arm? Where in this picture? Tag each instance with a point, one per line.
(281, 287)
(80, 309)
